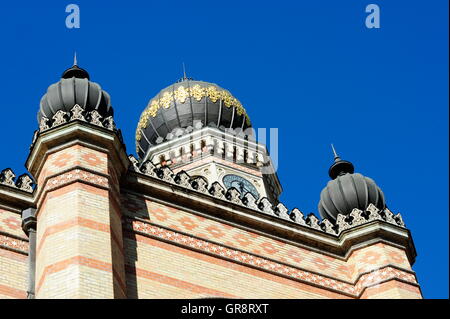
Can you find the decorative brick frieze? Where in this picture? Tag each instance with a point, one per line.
(77, 174)
(382, 275)
(351, 288)
(13, 243)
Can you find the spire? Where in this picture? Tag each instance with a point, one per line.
(334, 152)
(75, 59)
(184, 72)
(339, 167)
(184, 78)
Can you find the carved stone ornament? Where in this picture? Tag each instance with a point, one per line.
(134, 162)
(234, 196)
(165, 173)
(217, 190)
(298, 217)
(372, 209)
(327, 226)
(59, 118)
(7, 177)
(250, 201)
(399, 220)
(183, 179)
(25, 183)
(389, 216)
(109, 123)
(43, 124)
(341, 223)
(77, 113)
(266, 206)
(313, 222)
(96, 118)
(200, 184)
(358, 218)
(282, 211)
(149, 169)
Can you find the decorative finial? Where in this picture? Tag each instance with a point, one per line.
(75, 71)
(339, 167)
(184, 72)
(184, 78)
(334, 152)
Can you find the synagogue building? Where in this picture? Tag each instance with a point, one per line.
(195, 213)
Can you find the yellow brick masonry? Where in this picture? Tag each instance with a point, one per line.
(227, 279)
(258, 244)
(10, 223)
(76, 253)
(13, 257)
(13, 274)
(96, 240)
(191, 275)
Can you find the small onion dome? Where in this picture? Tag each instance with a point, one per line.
(185, 105)
(74, 88)
(348, 190)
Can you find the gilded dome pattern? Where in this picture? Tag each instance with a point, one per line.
(184, 103)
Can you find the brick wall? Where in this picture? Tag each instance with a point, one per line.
(13, 256)
(79, 237)
(171, 253)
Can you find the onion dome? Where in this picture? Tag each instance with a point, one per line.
(185, 106)
(348, 190)
(74, 88)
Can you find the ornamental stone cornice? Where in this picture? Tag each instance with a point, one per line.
(277, 222)
(73, 132)
(16, 192)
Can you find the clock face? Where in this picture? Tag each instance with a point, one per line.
(241, 184)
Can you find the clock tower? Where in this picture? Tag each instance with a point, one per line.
(201, 129)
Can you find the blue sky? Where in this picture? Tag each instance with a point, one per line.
(309, 68)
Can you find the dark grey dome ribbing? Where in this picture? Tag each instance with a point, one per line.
(348, 190)
(185, 105)
(74, 88)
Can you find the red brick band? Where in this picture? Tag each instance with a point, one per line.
(81, 261)
(12, 292)
(77, 221)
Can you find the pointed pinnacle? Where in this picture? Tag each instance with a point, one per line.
(336, 156)
(184, 72)
(75, 58)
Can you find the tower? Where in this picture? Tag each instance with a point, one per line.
(202, 129)
(77, 164)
